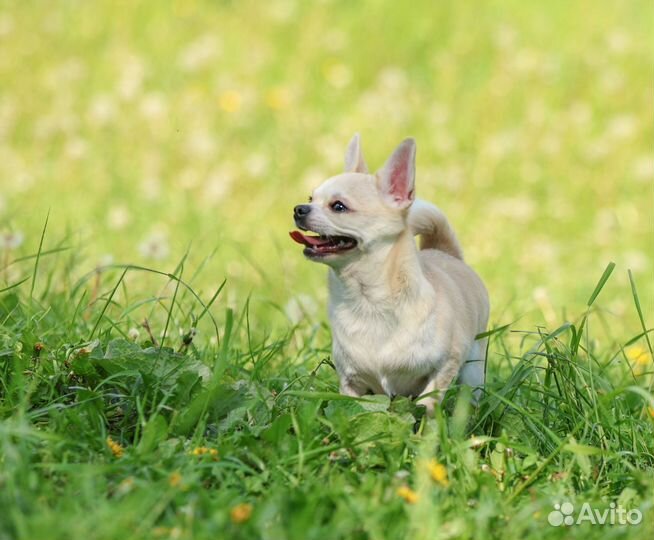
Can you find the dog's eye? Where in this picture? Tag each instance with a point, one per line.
(338, 206)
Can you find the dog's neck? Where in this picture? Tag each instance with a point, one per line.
(386, 275)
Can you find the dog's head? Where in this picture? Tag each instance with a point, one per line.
(355, 212)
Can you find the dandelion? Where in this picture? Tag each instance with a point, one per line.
(438, 472)
(10, 239)
(133, 334)
(230, 101)
(406, 493)
(240, 513)
(175, 479)
(116, 449)
(155, 246)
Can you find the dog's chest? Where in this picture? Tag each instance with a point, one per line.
(389, 350)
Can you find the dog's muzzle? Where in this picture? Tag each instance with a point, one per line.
(300, 212)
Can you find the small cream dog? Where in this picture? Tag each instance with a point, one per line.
(403, 320)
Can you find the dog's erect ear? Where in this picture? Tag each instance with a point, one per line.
(354, 161)
(397, 176)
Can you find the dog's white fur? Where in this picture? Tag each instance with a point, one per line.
(403, 320)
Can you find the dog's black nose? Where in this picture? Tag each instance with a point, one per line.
(301, 210)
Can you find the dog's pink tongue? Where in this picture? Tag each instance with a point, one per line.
(305, 240)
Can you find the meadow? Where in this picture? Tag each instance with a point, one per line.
(164, 347)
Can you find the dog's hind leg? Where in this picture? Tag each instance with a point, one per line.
(473, 370)
(438, 384)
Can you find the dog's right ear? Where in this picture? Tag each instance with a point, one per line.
(354, 161)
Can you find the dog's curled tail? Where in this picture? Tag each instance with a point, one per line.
(434, 229)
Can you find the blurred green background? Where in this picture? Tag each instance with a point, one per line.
(146, 127)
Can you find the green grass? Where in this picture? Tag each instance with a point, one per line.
(563, 419)
(150, 156)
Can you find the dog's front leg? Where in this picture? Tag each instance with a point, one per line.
(438, 384)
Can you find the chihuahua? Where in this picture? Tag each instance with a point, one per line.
(404, 320)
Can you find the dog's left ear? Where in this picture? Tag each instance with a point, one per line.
(354, 161)
(397, 176)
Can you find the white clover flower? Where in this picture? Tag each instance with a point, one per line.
(337, 74)
(622, 127)
(11, 239)
(281, 10)
(517, 208)
(199, 53)
(151, 187)
(118, 217)
(6, 24)
(131, 77)
(102, 110)
(219, 182)
(200, 144)
(256, 164)
(75, 148)
(335, 40)
(618, 42)
(105, 260)
(393, 78)
(643, 168)
(155, 246)
(133, 334)
(153, 106)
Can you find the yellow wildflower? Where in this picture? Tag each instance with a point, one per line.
(407, 494)
(650, 411)
(438, 472)
(204, 451)
(116, 449)
(638, 355)
(175, 479)
(277, 98)
(240, 513)
(230, 101)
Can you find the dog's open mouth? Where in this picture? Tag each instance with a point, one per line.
(323, 245)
